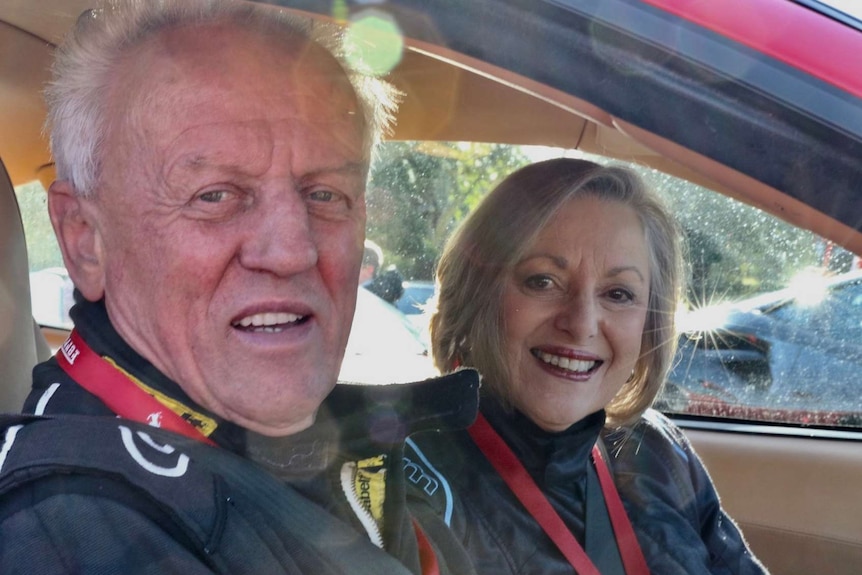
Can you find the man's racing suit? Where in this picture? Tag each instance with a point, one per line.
(82, 491)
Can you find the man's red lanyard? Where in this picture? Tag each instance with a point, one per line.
(528, 493)
(122, 396)
(101, 378)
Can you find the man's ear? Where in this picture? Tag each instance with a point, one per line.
(75, 223)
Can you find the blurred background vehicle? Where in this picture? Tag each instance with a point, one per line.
(794, 353)
(414, 303)
(384, 346)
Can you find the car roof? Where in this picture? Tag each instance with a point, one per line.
(769, 301)
(766, 123)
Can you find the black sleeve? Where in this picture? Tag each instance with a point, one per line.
(53, 527)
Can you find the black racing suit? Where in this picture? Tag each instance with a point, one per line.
(668, 496)
(82, 491)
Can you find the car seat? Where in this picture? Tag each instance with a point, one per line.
(22, 344)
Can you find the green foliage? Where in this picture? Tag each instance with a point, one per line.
(42, 248)
(733, 250)
(419, 191)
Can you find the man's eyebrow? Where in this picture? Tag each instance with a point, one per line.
(348, 168)
(197, 162)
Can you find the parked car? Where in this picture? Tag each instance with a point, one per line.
(384, 346)
(51, 297)
(415, 297)
(414, 303)
(789, 352)
(746, 113)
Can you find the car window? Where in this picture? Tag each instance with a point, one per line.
(415, 298)
(835, 313)
(770, 325)
(761, 336)
(50, 286)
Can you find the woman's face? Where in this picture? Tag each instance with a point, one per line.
(574, 309)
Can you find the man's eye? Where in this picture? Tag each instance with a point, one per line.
(322, 196)
(214, 196)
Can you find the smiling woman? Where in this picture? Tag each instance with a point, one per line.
(561, 289)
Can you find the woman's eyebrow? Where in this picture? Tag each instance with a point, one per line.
(613, 272)
(558, 261)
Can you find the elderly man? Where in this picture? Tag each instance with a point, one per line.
(211, 161)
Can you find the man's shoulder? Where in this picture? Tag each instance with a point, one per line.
(220, 507)
(154, 462)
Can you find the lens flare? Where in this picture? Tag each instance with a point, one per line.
(376, 41)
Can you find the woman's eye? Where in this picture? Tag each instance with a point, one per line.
(621, 295)
(539, 282)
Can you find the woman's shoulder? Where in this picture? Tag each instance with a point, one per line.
(652, 446)
(653, 429)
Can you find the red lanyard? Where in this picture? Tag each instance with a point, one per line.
(528, 493)
(101, 378)
(107, 382)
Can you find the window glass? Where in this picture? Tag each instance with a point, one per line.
(771, 322)
(770, 325)
(50, 287)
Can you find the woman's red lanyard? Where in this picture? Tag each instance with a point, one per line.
(122, 396)
(101, 378)
(528, 493)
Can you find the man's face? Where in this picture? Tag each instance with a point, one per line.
(230, 219)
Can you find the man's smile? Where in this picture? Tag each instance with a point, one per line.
(271, 322)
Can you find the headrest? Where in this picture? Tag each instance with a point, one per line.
(18, 332)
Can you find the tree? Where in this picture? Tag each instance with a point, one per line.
(42, 248)
(733, 250)
(419, 191)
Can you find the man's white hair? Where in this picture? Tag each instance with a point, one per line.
(86, 61)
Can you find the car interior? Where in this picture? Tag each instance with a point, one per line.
(794, 490)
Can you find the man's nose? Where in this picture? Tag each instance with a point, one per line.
(579, 316)
(280, 239)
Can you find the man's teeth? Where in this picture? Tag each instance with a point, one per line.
(570, 364)
(268, 322)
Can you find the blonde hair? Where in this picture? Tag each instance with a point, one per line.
(467, 326)
(88, 58)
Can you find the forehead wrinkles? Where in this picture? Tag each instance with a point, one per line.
(223, 67)
(235, 146)
(609, 237)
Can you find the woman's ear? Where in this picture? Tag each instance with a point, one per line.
(74, 219)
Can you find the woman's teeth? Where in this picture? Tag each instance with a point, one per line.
(576, 365)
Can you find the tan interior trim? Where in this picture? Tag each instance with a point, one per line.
(54, 336)
(795, 498)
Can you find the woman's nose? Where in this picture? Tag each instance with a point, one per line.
(579, 317)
